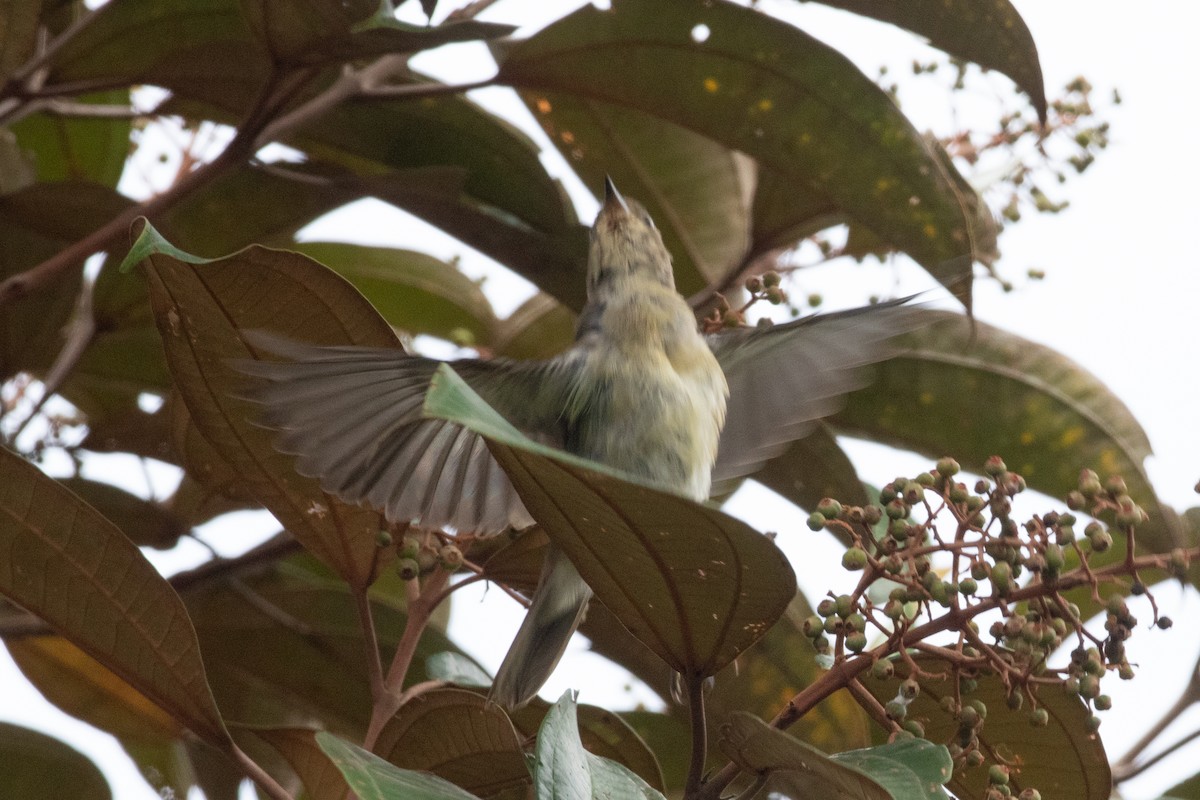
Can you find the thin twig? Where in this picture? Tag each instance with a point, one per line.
(1123, 774)
(257, 774)
(366, 620)
(418, 610)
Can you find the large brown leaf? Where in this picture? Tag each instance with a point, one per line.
(200, 306)
(758, 85)
(73, 568)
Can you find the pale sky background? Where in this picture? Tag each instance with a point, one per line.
(1119, 298)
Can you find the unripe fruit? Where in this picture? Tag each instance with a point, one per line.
(408, 569)
(854, 559)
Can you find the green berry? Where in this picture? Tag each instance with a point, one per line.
(882, 669)
(854, 559)
(1039, 718)
(947, 467)
(1102, 703)
(856, 642)
(383, 538)
(408, 568)
(812, 626)
(1092, 724)
(896, 710)
(451, 557)
(827, 608)
(816, 521)
(829, 508)
(998, 775)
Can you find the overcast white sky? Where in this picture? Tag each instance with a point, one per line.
(1119, 298)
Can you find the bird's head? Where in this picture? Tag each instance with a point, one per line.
(625, 246)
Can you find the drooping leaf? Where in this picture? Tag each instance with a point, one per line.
(695, 585)
(564, 770)
(1186, 790)
(199, 307)
(756, 747)
(34, 766)
(602, 733)
(78, 148)
(372, 778)
(73, 568)
(458, 735)
(981, 391)
(1060, 760)
(758, 85)
(786, 211)
(991, 33)
(414, 291)
(697, 191)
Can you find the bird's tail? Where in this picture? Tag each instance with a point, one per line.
(557, 609)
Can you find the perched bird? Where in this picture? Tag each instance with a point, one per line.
(641, 390)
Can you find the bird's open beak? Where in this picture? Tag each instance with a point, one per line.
(613, 198)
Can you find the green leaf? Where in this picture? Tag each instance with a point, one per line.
(910, 770)
(990, 33)
(1059, 760)
(786, 212)
(169, 43)
(34, 766)
(199, 309)
(78, 148)
(316, 31)
(73, 568)
(697, 191)
(372, 778)
(693, 584)
(564, 770)
(669, 738)
(769, 90)
(756, 747)
(457, 735)
(602, 733)
(975, 391)
(414, 291)
(458, 669)
(36, 223)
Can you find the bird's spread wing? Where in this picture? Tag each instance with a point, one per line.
(784, 378)
(352, 416)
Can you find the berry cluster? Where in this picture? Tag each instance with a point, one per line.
(936, 555)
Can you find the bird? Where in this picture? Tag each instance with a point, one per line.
(642, 389)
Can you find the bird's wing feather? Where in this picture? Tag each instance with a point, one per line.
(353, 417)
(784, 378)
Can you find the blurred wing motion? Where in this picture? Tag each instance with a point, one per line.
(784, 378)
(352, 416)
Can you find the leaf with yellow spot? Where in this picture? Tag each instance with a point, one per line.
(1000, 394)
